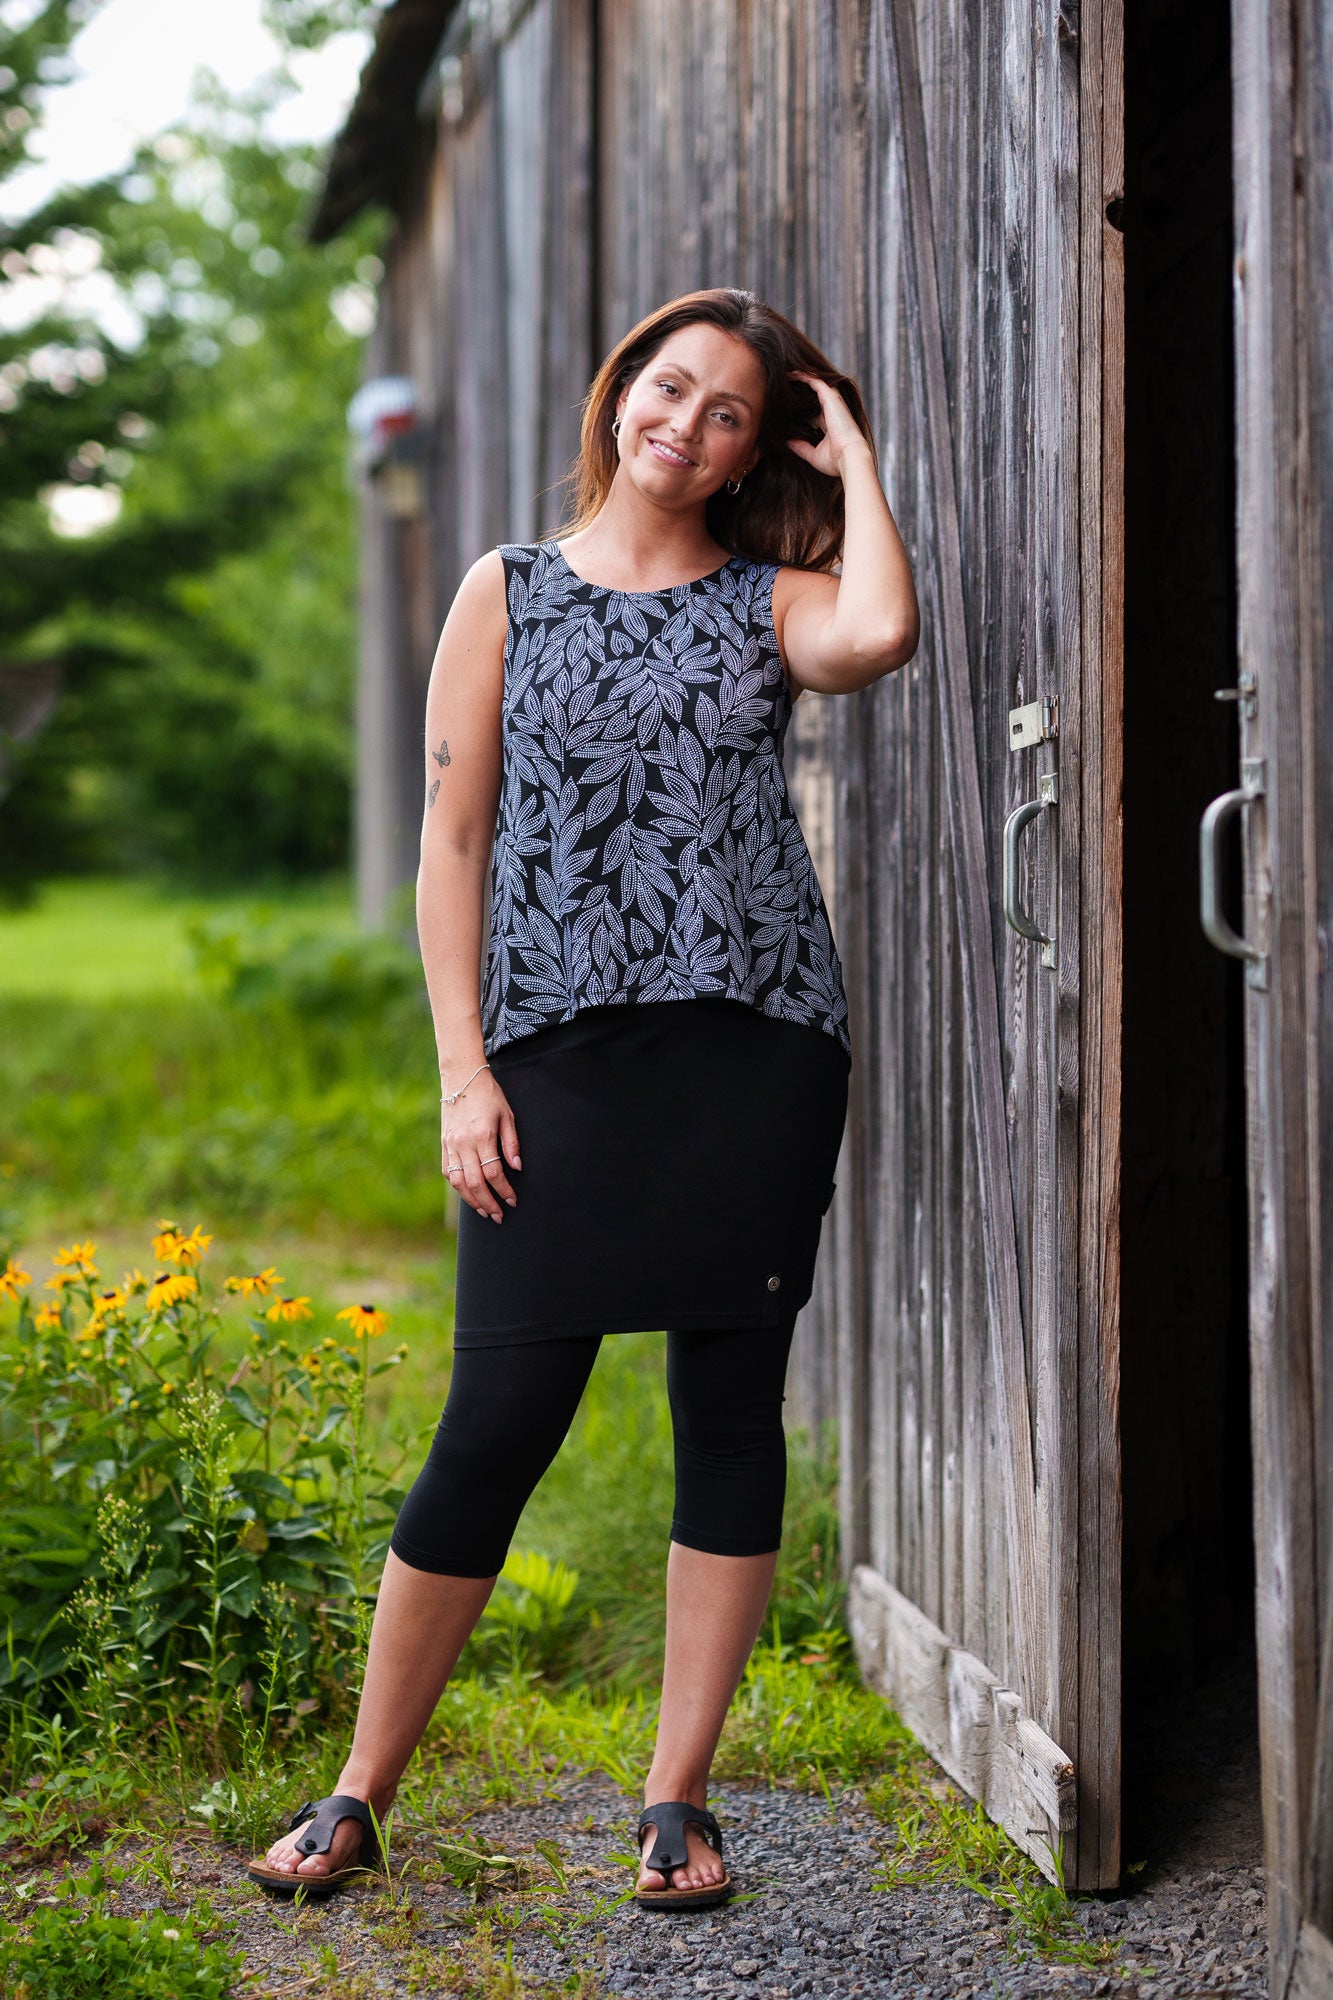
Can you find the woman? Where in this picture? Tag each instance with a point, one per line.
(660, 1019)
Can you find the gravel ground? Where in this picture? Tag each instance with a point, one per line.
(1190, 1923)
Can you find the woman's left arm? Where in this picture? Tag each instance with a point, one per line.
(837, 633)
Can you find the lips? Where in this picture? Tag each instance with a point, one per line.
(668, 453)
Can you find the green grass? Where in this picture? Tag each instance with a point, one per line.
(133, 1086)
(101, 938)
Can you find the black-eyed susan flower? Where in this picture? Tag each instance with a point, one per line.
(188, 1249)
(13, 1279)
(135, 1281)
(168, 1388)
(167, 1236)
(364, 1320)
(109, 1301)
(47, 1318)
(80, 1256)
(262, 1282)
(169, 1288)
(290, 1309)
(59, 1279)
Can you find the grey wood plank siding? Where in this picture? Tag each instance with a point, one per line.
(904, 180)
(1102, 698)
(1282, 110)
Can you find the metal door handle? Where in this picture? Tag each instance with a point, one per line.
(1016, 918)
(1211, 827)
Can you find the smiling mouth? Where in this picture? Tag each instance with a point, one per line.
(670, 453)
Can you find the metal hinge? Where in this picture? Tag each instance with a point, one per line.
(1035, 722)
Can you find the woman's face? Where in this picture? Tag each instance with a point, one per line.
(690, 418)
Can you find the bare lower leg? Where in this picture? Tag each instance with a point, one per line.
(715, 1607)
(422, 1622)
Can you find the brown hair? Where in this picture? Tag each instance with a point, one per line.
(785, 512)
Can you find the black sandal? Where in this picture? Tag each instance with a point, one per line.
(324, 1815)
(669, 1853)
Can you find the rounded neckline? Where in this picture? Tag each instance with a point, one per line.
(614, 590)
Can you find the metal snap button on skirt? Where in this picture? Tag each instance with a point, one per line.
(678, 1158)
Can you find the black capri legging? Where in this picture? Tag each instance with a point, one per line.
(507, 1413)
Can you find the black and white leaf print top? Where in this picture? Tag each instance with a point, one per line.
(646, 847)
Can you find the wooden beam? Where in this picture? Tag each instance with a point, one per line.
(971, 1724)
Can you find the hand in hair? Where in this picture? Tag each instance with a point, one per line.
(842, 433)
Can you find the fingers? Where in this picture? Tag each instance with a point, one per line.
(476, 1148)
(498, 1179)
(475, 1169)
(477, 1185)
(470, 1180)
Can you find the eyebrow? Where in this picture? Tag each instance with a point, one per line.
(723, 395)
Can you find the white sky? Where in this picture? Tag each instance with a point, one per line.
(135, 63)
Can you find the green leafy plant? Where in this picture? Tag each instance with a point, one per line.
(531, 1622)
(64, 1949)
(317, 973)
(154, 1493)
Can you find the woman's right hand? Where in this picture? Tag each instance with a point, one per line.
(478, 1136)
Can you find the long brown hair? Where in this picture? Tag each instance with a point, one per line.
(785, 512)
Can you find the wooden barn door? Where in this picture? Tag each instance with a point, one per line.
(1282, 71)
(986, 1603)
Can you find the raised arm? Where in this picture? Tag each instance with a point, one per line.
(463, 760)
(837, 633)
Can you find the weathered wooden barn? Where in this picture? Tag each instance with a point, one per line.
(1075, 1310)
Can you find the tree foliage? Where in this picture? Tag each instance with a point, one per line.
(188, 355)
(305, 24)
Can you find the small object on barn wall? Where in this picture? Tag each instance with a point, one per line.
(1017, 919)
(384, 418)
(1035, 722)
(1245, 692)
(1215, 926)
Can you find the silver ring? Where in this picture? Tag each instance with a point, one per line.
(455, 1168)
(494, 1157)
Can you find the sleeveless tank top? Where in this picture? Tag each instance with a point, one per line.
(646, 847)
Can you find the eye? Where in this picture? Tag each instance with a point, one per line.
(667, 385)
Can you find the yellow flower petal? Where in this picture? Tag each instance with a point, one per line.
(364, 1319)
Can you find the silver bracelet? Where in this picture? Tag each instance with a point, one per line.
(452, 1097)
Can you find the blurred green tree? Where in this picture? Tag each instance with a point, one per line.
(177, 562)
(305, 24)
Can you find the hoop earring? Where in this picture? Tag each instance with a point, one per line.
(734, 485)
(615, 427)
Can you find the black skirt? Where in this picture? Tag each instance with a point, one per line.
(678, 1158)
